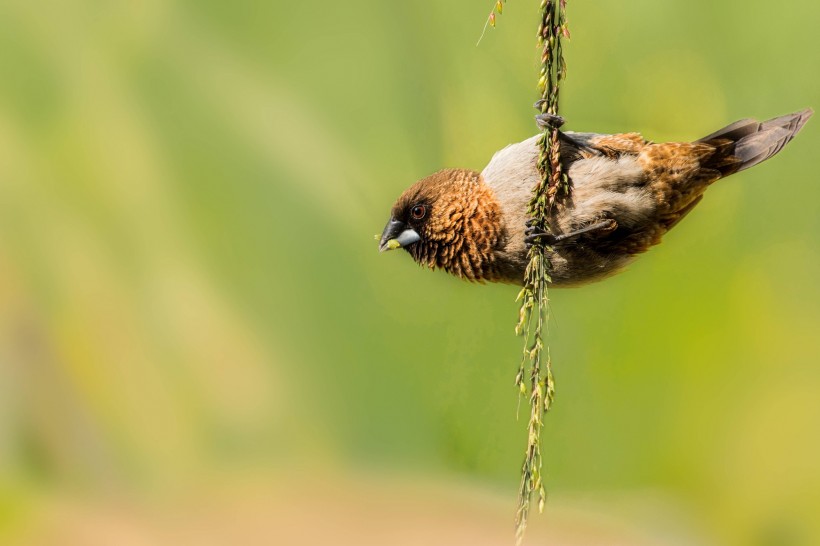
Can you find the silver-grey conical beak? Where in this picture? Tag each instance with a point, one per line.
(396, 234)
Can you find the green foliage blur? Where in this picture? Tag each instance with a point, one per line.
(190, 289)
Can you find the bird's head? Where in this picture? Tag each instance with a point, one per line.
(451, 220)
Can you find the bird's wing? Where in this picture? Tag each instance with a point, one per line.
(585, 145)
(674, 174)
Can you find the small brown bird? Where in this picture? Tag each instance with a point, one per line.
(627, 193)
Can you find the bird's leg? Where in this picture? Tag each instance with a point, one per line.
(545, 120)
(549, 121)
(533, 233)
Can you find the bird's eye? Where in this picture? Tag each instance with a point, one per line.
(418, 212)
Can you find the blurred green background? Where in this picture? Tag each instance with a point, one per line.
(192, 305)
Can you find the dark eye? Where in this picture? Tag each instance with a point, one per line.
(418, 212)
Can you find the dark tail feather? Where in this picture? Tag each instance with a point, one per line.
(755, 142)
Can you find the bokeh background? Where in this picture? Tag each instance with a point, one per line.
(199, 343)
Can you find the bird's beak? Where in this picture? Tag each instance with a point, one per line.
(397, 235)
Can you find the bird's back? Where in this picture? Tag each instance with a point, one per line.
(646, 188)
(601, 186)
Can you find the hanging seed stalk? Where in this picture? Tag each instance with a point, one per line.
(535, 378)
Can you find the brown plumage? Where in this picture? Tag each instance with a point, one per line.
(461, 226)
(627, 193)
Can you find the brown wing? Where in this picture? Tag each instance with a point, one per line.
(676, 174)
(617, 145)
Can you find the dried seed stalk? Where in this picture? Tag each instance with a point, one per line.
(550, 192)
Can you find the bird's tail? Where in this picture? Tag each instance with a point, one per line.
(754, 142)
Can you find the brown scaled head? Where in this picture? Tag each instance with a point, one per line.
(449, 220)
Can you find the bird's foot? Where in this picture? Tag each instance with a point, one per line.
(535, 234)
(549, 121)
(545, 120)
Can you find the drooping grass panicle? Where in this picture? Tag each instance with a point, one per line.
(535, 377)
(498, 9)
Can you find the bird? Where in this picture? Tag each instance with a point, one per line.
(626, 194)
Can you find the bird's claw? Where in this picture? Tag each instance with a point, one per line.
(549, 121)
(535, 234)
